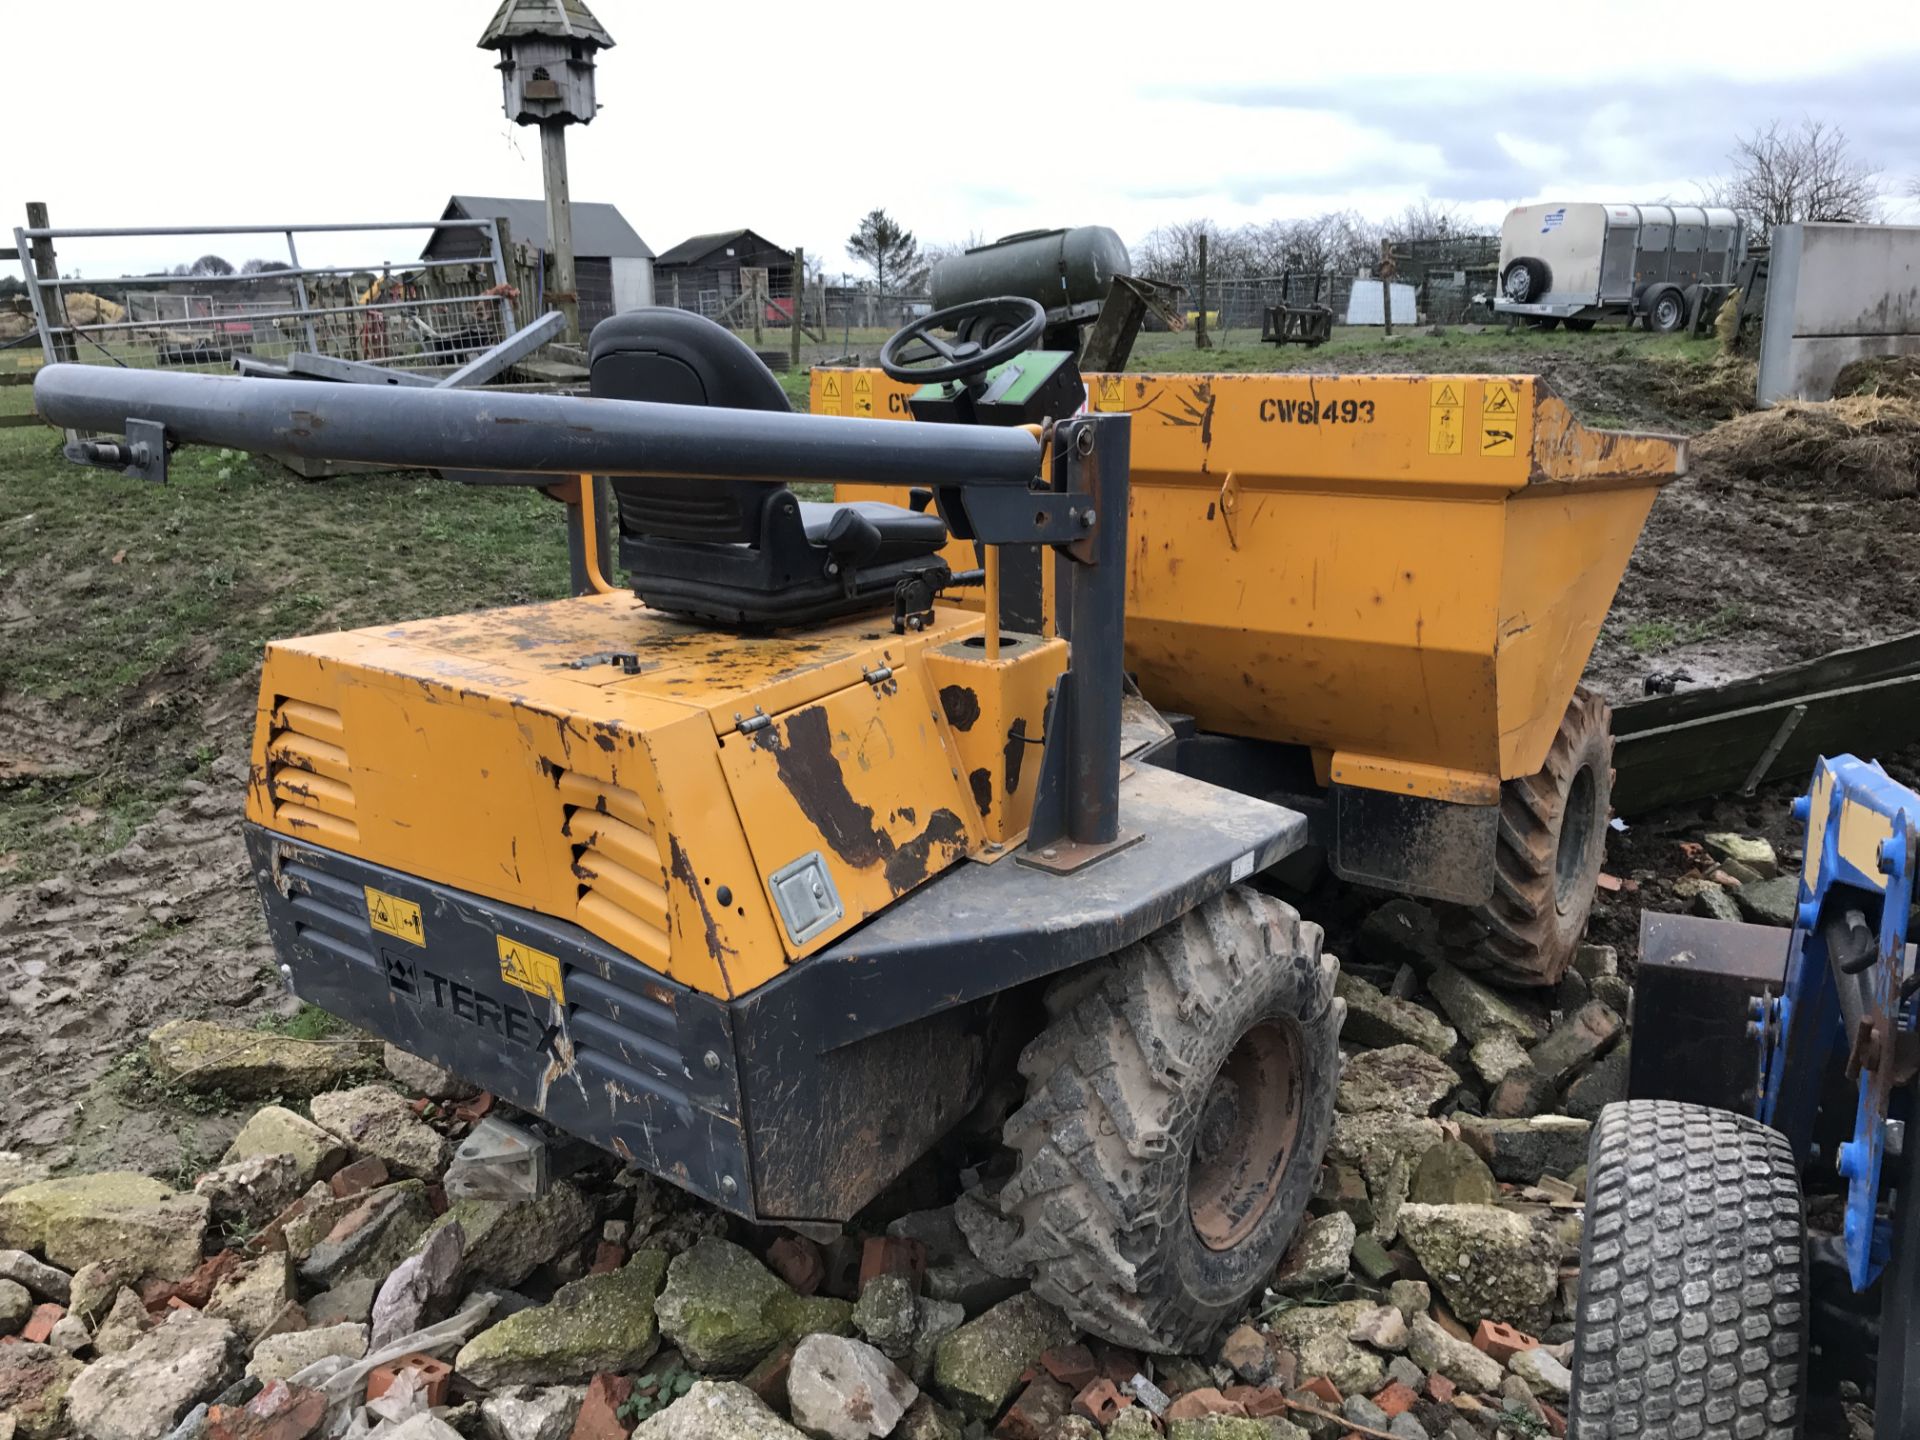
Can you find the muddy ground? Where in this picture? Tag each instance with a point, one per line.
(131, 620)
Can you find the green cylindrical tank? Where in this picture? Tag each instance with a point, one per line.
(1054, 267)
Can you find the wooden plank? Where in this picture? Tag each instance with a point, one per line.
(1858, 666)
(1714, 754)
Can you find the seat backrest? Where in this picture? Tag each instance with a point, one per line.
(675, 357)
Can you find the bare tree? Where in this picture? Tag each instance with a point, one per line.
(1783, 175)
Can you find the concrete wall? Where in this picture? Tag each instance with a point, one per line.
(632, 284)
(1835, 294)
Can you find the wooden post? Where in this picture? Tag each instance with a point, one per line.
(564, 295)
(676, 289)
(1386, 304)
(758, 300)
(798, 287)
(50, 302)
(1200, 337)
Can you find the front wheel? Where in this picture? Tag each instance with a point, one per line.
(1178, 1103)
(1667, 313)
(1692, 1318)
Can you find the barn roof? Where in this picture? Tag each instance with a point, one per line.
(598, 230)
(566, 19)
(698, 247)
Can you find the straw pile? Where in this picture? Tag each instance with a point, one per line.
(1864, 443)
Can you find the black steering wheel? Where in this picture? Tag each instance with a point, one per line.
(963, 356)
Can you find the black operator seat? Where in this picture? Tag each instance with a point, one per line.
(740, 552)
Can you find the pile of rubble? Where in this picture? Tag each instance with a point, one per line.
(341, 1273)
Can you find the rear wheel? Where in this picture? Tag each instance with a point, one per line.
(1178, 1103)
(1547, 859)
(1692, 1318)
(1666, 312)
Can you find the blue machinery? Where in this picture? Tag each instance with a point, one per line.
(1849, 992)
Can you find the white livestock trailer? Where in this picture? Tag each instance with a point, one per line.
(1578, 263)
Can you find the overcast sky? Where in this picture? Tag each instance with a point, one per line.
(795, 119)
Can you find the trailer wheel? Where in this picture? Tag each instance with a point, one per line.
(1178, 1102)
(1547, 858)
(1666, 311)
(1525, 280)
(1692, 1319)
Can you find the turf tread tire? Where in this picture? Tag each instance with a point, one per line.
(1096, 1213)
(1530, 933)
(1692, 1318)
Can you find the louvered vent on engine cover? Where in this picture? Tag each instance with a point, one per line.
(309, 776)
(616, 859)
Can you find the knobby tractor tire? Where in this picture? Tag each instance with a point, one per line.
(1552, 842)
(1693, 1308)
(1178, 1103)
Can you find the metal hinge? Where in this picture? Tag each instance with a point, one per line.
(877, 674)
(746, 725)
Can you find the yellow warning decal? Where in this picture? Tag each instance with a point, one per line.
(830, 407)
(1112, 396)
(1496, 437)
(862, 385)
(831, 389)
(534, 971)
(1499, 399)
(1443, 430)
(391, 915)
(1447, 394)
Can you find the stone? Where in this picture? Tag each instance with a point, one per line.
(1434, 1350)
(123, 1326)
(717, 1410)
(888, 1314)
(1575, 1041)
(376, 1121)
(1750, 851)
(1401, 932)
(312, 1218)
(375, 1235)
(243, 1195)
(926, 1420)
(143, 1391)
(1478, 1010)
(1489, 1263)
(1497, 1055)
(978, 1367)
(1362, 1411)
(937, 1320)
(1371, 1259)
(1521, 1151)
(280, 1357)
(424, 1425)
(845, 1389)
(954, 1273)
(724, 1310)
(423, 1077)
(34, 1383)
(1319, 1336)
(599, 1323)
(1521, 1094)
(275, 1130)
(1452, 1174)
(1410, 1298)
(1320, 1255)
(1343, 1187)
(94, 1290)
(1545, 1375)
(349, 1302)
(1405, 1427)
(204, 1055)
(16, 1170)
(1245, 1352)
(69, 1335)
(1572, 992)
(1595, 961)
(37, 1277)
(116, 1218)
(1615, 993)
(1375, 1018)
(1713, 902)
(421, 1288)
(251, 1296)
(1601, 1086)
(1402, 1078)
(1382, 1327)
(1385, 1147)
(1133, 1423)
(1219, 1427)
(530, 1412)
(1771, 902)
(1402, 1371)
(15, 1306)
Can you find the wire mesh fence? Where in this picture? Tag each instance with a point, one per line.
(201, 312)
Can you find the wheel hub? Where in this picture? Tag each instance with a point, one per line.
(1572, 858)
(1246, 1132)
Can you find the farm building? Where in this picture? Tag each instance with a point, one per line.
(613, 266)
(703, 273)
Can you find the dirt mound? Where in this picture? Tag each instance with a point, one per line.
(1867, 443)
(1895, 376)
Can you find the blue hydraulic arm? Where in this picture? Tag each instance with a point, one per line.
(1847, 990)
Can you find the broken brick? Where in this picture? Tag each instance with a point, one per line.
(1100, 1402)
(1038, 1408)
(1440, 1389)
(41, 1322)
(279, 1412)
(599, 1417)
(1396, 1399)
(1119, 1366)
(607, 1258)
(768, 1379)
(468, 1111)
(1198, 1404)
(893, 1255)
(195, 1290)
(1556, 1422)
(1071, 1365)
(367, 1173)
(798, 1261)
(434, 1377)
(1502, 1342)
(1321, 1386)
